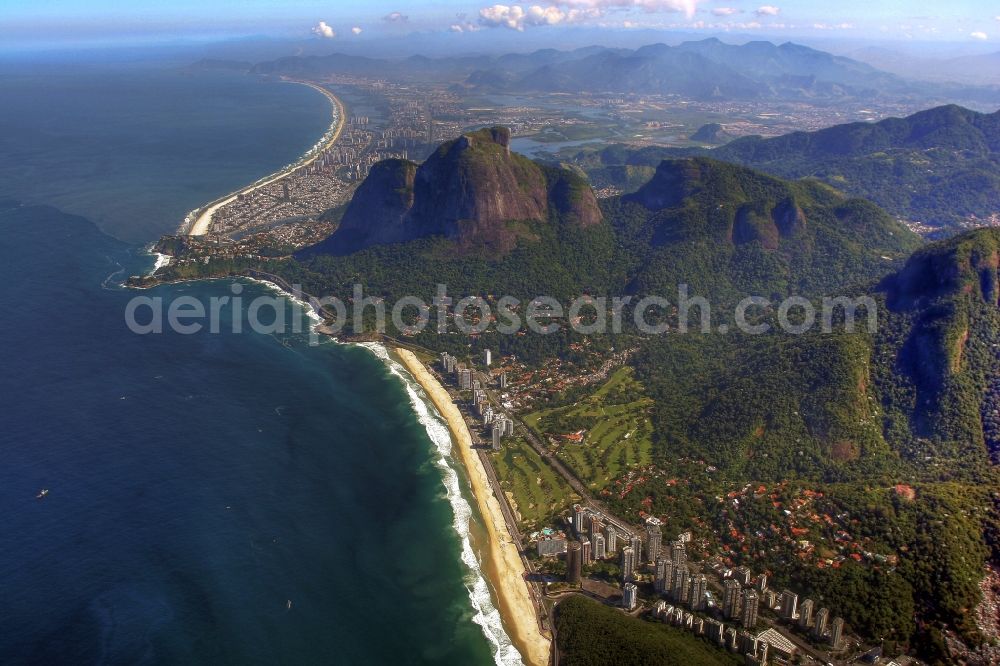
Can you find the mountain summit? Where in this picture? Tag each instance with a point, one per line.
(473, 190)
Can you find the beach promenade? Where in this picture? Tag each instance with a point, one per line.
(504, 566)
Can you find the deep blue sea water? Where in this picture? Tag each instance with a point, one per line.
(214, 499)
(134, 149)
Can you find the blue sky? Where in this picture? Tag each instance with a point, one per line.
(75, 21)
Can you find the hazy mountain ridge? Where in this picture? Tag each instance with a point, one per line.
(939, 167)
(704, 69)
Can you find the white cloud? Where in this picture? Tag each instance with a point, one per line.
(767, 10)
(833, 26)
(356, 30)
(464, 26)
(518, 17)
(725, 11)
(982, 36)
(395, 17)
(734, 25)
(502, 16)
(323, 30)
(687, 7)
(545, 15)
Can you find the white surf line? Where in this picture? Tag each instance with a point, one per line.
(487, 616)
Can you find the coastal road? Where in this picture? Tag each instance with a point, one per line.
(515, 534)
(553, 461)
(513, 529)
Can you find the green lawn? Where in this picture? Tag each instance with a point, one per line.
(539, 493)
(619, 432)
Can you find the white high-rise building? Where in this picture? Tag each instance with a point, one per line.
(599, 553)
(789, 605)
(837, 633)
(663, 565)
(578, 514)
(748, 614)
(611, 540)
(731, 598)
(699, 585)
(628, 563)
(654, 537)
(630, 596)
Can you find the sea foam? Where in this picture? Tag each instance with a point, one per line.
(486, 614)
(307, 308)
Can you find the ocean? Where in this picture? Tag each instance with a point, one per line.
(213, 498)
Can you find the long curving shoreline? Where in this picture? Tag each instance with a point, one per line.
(199, 222)
(504, 566)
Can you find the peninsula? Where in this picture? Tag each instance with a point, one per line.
(200, 222)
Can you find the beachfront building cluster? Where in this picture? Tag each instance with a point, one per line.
(605, 535)
(496, 423)
(294, 197)
(550, 543)
(362, 144)
(723, 604)
(769, 646)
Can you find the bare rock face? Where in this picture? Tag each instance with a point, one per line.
(472, 185)
(575, 200)
(768, 227)
(674, 181)
(750, 226)
(378, 212)
(789, 218)
(469, 190)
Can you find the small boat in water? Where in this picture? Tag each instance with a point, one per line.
(41, 495)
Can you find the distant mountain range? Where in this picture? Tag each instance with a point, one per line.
(706, 69)
(939, 167)
(979, 69)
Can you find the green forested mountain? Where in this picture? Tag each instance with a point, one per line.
(944, 307)
(729, 232)
(939, 167)
(889, 428)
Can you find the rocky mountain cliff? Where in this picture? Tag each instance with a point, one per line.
(945, 305)
(473, 190)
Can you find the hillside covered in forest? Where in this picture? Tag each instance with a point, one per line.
(886, 428)
(939, 167)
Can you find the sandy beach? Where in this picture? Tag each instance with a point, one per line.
(504, 567)
(203, 221)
